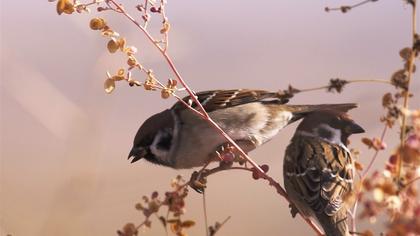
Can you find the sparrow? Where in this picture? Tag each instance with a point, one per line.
(179, 138)
(318, 168)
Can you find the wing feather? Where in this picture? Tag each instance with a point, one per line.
(321, 173)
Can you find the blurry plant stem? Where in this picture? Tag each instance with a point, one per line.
(411, 181)
(409, 76)
(206, 222)
(353, 213)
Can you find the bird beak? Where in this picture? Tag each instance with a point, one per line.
(354, 128)
(136, 153)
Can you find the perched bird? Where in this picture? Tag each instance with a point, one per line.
(179, 138)
(318, 168)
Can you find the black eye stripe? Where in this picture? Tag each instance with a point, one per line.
(165, 140)
(325, 133)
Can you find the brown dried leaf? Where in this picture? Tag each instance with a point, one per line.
(367, 141)
(187, 224)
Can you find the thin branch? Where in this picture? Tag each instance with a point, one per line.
(345, 9)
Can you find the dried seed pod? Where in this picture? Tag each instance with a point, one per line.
(112, 46)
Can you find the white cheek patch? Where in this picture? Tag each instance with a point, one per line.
(160, 154)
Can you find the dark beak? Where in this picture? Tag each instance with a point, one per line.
(136, 153)
(355, 128)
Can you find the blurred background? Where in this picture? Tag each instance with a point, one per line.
(64, 142)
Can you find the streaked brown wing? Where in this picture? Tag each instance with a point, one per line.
(321, 173)
(217, 99)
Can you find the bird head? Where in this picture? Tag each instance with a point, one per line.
(153, 139)
(332, 125)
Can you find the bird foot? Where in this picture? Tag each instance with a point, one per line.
(226, 153)
(293, 210)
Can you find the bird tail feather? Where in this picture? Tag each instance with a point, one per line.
(335, 225)
(299, 111)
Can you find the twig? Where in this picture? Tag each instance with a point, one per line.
(345, 9)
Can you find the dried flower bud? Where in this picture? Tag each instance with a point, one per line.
(165, 27)
(156, 9)
(345, 9)
(140, 7)
(146, 17)
(99, 9)
(128, 230)
(112, 46)
(405, 53)
(97, 23)
(65, 6)
(387, 100)
(337, 85)
(121, 43)
(400, 79)
(132, 61)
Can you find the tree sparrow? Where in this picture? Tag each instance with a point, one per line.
(179, 138)
(318, 168)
